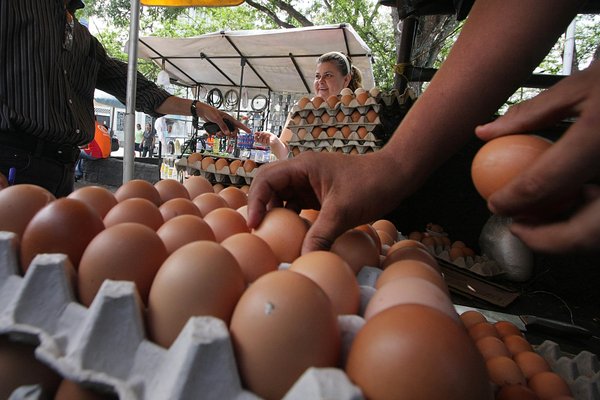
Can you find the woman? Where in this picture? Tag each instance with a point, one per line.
(334, 73)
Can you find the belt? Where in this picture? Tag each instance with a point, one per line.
(64, 153)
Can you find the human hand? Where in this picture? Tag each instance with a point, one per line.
(569, 167)
(349, 190)
(264, 138)
(212, 114)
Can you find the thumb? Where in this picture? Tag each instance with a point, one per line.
(323, 231)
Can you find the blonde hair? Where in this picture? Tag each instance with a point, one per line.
(345, 66)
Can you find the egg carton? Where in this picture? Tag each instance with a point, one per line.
(581, 371)
(104, 347)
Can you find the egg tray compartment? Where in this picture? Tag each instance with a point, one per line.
(346, 149)
(104, 347)
(222, 176)
(309, 133)
(370, 104)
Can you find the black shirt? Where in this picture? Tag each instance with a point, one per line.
(47, 81)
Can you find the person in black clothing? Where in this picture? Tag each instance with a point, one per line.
(50, 66)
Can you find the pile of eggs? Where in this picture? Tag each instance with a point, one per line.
(342, 123)
(219, 169)
(189, 252)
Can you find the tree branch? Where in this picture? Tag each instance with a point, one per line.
(270, 14)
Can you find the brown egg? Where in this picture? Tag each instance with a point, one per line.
(194, 158)
(252, 253)
(456, 253)
(325, 118)
(372, 116)
(126, 251)
(97, 197)
(184, 229)
(362, 97)
(283, 324)
(206, 161)
(340, 116)
(196, 185)
(406, 243)
(217, 187)
(516, 344)
(362, 132)
(138, 188)
(347, 99)
(316, 132)
(206, 202)
(245, 189)
(332, 101)
(249, 165)
(62, 226)
(200, 278)
(410, 253)
(516, 392)
(491, 347)
(424, 341)
(234, 197)
(334, 276)
(178, 206)
(346, 131)
(19, 367)
(481, 330)
(301, 133)
(310, 215)
(372, 232)
(303, 102)
(415, 235)
(18, 205)
(458, 243)
(171, 189)
(385, 239)
(331, 131)
(243, 210)
(411, 268)
(501, 159)
(234, 165)
(548, 385)
(222, 164)
(284, 231)
(357, 248)
(410, 290)
(225, 222)
(531, 363)
(472, 317)
(137, 210)
(310, 118)
(504, 371)
(387, 226)
(317, 101)
(355, 117)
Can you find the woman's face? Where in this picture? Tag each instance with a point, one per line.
(329, 80)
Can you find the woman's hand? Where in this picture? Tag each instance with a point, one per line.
(570, 167)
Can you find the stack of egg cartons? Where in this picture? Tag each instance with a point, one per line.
(345, 123)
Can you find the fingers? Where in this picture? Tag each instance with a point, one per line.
(326, 228)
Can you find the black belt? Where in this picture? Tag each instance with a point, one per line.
(64, 153)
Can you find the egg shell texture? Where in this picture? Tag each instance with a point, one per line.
(18, 205)
(138, 210)
(182, 230)
(138, 188)
(252, 253)
(284, 231)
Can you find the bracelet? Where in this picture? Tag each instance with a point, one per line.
(193, 109)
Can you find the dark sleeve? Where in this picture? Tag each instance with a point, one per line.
(112, 78)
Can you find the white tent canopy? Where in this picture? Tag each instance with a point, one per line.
(280, 60)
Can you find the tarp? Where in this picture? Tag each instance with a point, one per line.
(279, 60)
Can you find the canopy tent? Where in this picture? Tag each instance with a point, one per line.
(279, 60)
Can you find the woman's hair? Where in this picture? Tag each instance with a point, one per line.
(345, 66)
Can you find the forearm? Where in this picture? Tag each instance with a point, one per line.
(499, 46)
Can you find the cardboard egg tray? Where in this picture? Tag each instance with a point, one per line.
(224, 175)
(104, 347)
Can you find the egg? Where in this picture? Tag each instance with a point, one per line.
(301, 133)
(406, 243)
(206, 162)
(362, 98)
(62, 226)
(19, 367)
(138, 188)
(411, 268)
(283, 324)
(491, 347)
(184, 229)
(516, 344)
(332, 101)
(137, 210)
(340, 116)
(410, 253)
(346, 91)
(346, 131)
(234, 197)
(387, 226)
(225, 222)
(310, 215)
(196, 185)
(325, 118)
(385, 239)
(504, 371)
(317, 101)
(410, 290)
(516, 392)
(316, 132)
(217, 187)
(126, 251)
(372, 233)
(357, 248)
(199, 278)
(438, 358)
(548, 385)
(284, 232)
(194, 158)
(346, 99)
(178, 206)
(234, 165)
(222, 165)
(374, 92)
(372, 116)
(18, 205)
(355, 117)
(331, 131)
(252, 253)
(245, 189)
(310, 118)
(249, 165)
(206, 202)
(302, 103)
(97, 197)
(334, 276)
(531, 363)
(415, 235)
(502, 159)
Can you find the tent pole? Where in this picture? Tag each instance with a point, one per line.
(129, 155)
(239, 104)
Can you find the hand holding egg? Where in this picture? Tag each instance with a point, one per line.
(566, 168)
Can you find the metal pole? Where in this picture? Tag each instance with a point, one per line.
(569, 49)
(129, 153)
